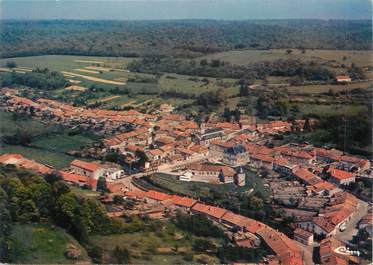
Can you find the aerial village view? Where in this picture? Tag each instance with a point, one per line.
(214, 133)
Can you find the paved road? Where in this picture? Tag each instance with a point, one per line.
(351, 229)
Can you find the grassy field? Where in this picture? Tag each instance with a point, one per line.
(43, 243)
(200, 189)
(242, 57)
(145, 246)
(66, 62)
(49, 149)
(195, 85)
(318, 89)
(12, 123)
(330, 109)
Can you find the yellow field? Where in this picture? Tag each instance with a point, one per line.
(76, 88)
(129, 103)
(72, 81)
(3, 69)
(23, 69)
(95, 79)
(86, 61)
(87, 71)
(107, 99)
(97, 68)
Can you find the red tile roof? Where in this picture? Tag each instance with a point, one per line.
(183, 201)
(340, 174)
(88, 166)
(156, 195)
(213, 211)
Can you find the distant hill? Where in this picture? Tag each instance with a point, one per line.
(180, 38)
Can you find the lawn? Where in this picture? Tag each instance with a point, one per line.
(242, 57)
(42, 243)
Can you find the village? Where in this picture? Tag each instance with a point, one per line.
(308, 184)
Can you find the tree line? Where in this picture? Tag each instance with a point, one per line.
(181, 38)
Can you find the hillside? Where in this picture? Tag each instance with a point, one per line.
(184, 38)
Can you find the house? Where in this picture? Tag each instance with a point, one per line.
(343, 79)
(205, 137)
(153, 196)
(22, 162)
(327, 156)
(89, 169)
(306, 176)
(217, 149)
(303, 236)
(297, 157)
(232, 220)
(329, 254)
(217, 174)
(283, 166)
(211, 212)
(235, 156)
(183, 203)
(259, 160)
(341, 177)
(247, 122)
(351, 163)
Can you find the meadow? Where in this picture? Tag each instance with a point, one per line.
(49, 142)
(43, 243)
(242, 57)
(168, 245)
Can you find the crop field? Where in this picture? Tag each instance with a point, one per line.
(43, 243)
(65, 62)
(242, 57)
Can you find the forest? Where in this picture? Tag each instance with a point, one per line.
(179, 38)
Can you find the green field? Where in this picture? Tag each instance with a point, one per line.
(12, 123)
(42, 243)
(65, 62)
(48, 148)
(145, 247)
(242, 57)
(331, 109)
(200, 189)
(318, 89)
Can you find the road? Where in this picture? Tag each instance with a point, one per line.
(351, 229)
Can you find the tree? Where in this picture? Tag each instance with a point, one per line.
(10, 64)
(203, 62)
(307, 126)
(244, 89)
(101, 185)
(122, 255)
(202, 245)
(255, 203)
